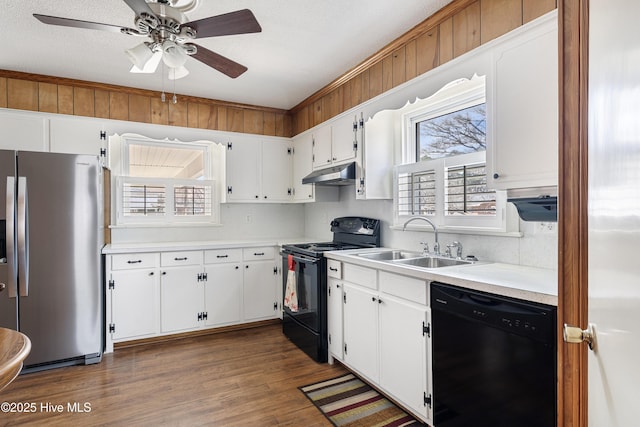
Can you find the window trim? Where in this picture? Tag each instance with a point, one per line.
(214, 172)
(457, 95)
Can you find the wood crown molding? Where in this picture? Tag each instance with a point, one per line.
(130, 90)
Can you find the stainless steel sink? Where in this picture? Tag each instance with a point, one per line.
(432, 262)
(390, 255)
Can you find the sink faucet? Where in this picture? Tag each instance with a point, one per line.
(458, 247)
(436, 246)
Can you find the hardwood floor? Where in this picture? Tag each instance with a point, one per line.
(240, 378)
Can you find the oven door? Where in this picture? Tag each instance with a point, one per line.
(307, 287)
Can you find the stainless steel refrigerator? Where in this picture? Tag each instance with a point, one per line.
(50, 262)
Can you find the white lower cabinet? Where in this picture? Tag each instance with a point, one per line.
(133, 296)
(134, 309)
(334, 316)
(384, 322)
(361, 330)
(403, 333)
(182, 298)
(260, 290)
(223, 294)
(154, 294)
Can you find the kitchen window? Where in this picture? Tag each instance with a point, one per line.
(443, 174)
(166, 182)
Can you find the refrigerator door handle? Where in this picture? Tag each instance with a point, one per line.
(23, 238)
(11, 241)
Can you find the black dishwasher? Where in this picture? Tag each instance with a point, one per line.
(494, 359)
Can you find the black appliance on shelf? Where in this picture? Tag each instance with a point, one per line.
(494, 359)
(307, 327)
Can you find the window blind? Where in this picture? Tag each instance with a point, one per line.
(417, 193)
(466, 191)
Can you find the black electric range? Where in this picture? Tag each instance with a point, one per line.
(305, 323)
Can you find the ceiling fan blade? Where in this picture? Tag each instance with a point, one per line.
(238, 22)
(219, 62)
(66, 22)
(139, 7)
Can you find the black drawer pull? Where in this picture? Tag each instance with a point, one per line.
(138, 261)
(258, 254)
(180, 259)
(222, 256)
(333, 269)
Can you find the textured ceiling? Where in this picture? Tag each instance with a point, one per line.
(304, 44)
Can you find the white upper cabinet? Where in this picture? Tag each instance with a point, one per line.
(258, 170)
(321, 147)
(344, 139)
(302, 166)
(374, 174)
(522, 109)
(76, 135)
(23, 131)
(334, 143)
(276, 170)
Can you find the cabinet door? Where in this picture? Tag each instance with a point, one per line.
(322, 147)
(302, 166)
(334, 317)
(182, 298)
(344, 139)
(361, 330)
(243, 169)
(77, 135)
(23, 132)
(522, 101)
(260, 293)
(135, 303)
(276, 170)
(403, 351)
(223, 293)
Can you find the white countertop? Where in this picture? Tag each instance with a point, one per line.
(516, 281)
(125, 248)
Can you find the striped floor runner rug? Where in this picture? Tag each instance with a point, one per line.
(348, 402)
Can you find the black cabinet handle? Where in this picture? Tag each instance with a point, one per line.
(258, 254)
(164, 273)
(496, 176)
(222, 256)
(151, 274)
(180, 259)
(137, 261)
(333, 269)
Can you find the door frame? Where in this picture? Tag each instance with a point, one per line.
(573, 19)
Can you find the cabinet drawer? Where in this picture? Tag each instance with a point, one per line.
(171, 259)
(222, 255)
(405, 287)
(134, 261)
(253, 254)
(360, 275)
(334, 269)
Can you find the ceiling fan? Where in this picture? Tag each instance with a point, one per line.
(171, 36)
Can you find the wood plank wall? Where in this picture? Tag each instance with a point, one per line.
(80, 98)
(454, 30)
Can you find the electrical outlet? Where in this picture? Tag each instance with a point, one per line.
(547, 227)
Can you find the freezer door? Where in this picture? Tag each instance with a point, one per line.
(61, 311)
(8, 300)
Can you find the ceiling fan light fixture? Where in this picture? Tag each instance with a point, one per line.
(151, 66)
(173, 55)
(139, 55)
(178, 73)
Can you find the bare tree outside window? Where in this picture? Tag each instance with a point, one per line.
(460, 132)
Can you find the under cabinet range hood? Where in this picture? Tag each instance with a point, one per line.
(536, 204)
(334, 175)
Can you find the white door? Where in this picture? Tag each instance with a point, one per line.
(223, 293)
(361, 330)
(276, 170)
(614, 211)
